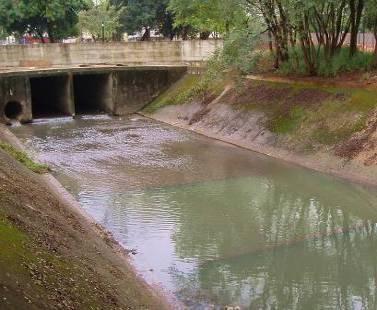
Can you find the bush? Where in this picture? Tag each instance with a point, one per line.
(340, 63)
(241, 50)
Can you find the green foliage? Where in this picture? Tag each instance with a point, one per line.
(56, 17)
(208, 16)
(141, 14)
(102, 13)
(3, 33)
(241, 50)
(341, 62)
(147, 15)
(371, 15)
(24, 159)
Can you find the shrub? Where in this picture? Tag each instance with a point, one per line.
(341, 62)
(241, 50)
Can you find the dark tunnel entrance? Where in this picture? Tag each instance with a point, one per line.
(51, 96)
(93, 93)
(13, 110)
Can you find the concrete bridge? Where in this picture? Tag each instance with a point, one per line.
(68, 79)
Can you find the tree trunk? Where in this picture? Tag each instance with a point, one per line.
(307, 46)
(185, 32)
(204, 35)
(357, 8)
(50, 34)
(40, 35)
(147, 35)
(375, 46)
(277, 55)
(270, 43)
(51, 37)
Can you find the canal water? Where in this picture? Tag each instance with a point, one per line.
(213, 224)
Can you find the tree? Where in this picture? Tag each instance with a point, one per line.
(100, 19)
(371, 22)
(356, 13)
(147, 15)
(205, 17)
(276, 16)
(57, 18)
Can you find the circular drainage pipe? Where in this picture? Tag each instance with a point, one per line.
(13, 110)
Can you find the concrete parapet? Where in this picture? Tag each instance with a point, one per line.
(141, 53)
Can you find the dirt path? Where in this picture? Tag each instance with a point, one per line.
(351, 80)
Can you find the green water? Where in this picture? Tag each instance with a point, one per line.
(214, 225)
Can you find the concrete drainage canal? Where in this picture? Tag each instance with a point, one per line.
(213, 224)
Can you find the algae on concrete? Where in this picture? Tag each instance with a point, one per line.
(24, 159)
(299, 114)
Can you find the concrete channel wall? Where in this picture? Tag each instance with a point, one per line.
(49, 80)
(116, 91)
(142, 53)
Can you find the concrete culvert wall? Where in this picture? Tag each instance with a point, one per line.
(93, 93)
(13, 110)
(51, 96)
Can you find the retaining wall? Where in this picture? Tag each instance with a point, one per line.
(116, 92)
(144, 53)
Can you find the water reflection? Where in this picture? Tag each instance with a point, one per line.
(215, 224)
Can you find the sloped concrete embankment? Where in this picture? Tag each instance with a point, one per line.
(327, 129)
(53, 256)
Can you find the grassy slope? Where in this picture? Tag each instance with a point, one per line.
(50, 258)
(305, 117)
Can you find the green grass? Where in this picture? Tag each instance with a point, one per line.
(24, 159)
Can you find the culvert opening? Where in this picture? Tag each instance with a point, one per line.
(51, 96)
(93, 93)
(13, 110)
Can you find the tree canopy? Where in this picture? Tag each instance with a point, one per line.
(58, 18)
(101, 19)
(146, 15)
(316, 29)
(208, 16)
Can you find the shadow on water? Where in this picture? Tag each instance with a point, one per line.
(217, 225)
